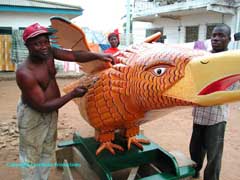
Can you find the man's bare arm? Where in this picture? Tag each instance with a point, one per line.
(81, 56)
(34, 96)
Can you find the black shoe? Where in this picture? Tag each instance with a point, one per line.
(196, 175)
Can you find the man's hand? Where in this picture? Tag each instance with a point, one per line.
(107, 57)
(79, 91)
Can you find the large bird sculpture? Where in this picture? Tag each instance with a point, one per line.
(149, 77)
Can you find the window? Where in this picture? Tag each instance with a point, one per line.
(209, 30)
(22, 28)
(191, 33)
(6, 30)
(152, 31)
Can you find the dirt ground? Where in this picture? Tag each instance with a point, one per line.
(171, 132)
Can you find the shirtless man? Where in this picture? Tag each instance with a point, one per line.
(37, 110)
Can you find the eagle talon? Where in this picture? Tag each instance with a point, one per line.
(109, 146)
(137, 142)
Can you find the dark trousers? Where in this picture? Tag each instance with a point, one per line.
(208, 140)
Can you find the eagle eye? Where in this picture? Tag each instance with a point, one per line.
(159, 71)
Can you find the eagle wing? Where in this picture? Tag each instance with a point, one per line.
(70, 36)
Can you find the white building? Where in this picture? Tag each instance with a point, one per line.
(183, 21)
(15, 15)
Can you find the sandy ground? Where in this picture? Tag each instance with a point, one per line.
(171, 132)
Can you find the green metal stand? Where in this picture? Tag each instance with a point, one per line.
(105, 163)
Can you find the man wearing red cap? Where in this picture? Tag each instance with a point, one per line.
(37, 110)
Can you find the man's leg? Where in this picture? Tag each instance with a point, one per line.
(197, 150)
(49, 146)
(31, 136)
(214, 143)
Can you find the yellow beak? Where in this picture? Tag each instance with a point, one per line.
(207, 78)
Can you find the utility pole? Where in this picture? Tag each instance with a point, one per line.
(128, 4)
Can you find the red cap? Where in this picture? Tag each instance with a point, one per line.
(115, 33)
(33, 31)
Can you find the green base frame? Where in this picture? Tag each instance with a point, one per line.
(105, 163)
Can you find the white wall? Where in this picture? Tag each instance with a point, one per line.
(170, 29)
(139, 31)
(15, 20)
(171, 26)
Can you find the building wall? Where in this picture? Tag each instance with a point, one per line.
(139, 30)
(174, 29)
(15, 20)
